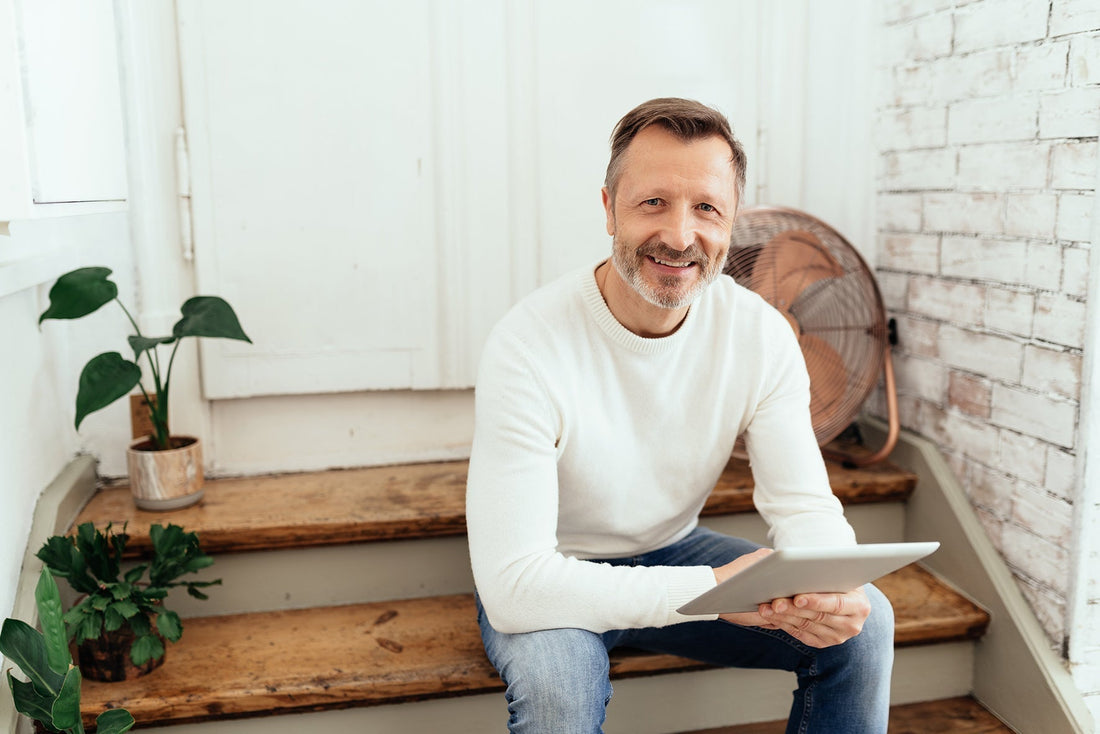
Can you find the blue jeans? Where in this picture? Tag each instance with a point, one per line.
(558, 680)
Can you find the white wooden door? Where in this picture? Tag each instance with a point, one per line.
(324, 186)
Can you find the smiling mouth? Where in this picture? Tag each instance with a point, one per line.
(672, 263)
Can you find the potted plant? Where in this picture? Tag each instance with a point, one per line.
(51, 694)
(120, 623)
(165, 470)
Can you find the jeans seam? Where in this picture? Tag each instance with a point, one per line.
(808, 699)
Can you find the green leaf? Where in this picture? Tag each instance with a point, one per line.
(121, 590)
(79, 293)
(63, 559)
(26, 647)
(146, 648)
(140, 625)
(90, 626)
(112, 618)
(114, 721)
(198, 563)
(209, 316)
(141, 344)
(125, 607)
(30, 702)
(50, 616)
(134, 574)
(194, 586)
(169, 625)
(105, 379)
(66, 708)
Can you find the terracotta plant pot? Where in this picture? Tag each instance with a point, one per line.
(165, 480)
(107, 658)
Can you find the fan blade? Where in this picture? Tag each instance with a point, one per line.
(828, 383)
(789, 263)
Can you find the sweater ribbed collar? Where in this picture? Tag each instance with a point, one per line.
(597, 307)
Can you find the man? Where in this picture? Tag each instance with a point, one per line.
(607, 406)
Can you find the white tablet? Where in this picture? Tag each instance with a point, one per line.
(791, 571)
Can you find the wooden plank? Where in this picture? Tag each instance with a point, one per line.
(384, 652)
(924, 605)
(392, 502)
(961, 715)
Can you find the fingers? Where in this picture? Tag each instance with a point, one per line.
(820, 620)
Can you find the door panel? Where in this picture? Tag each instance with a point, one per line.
(312, 159)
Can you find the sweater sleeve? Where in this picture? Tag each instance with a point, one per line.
(524, 583)
(792, 490)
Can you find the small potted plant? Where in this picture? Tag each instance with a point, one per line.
(120, 623)
(165, 470)
(51, 694)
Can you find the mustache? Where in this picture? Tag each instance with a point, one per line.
(658, 249)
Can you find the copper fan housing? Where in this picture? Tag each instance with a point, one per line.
(818, 281)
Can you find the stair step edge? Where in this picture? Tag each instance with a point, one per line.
(406, 501)
(388, 652)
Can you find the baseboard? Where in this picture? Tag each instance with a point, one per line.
(1016, 674)
(54, 512)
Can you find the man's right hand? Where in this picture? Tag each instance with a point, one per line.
(817, 620)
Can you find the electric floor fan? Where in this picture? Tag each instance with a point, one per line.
(819, 282)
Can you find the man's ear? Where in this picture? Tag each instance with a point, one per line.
(609, 209)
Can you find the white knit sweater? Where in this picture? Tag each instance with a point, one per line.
(593, 442)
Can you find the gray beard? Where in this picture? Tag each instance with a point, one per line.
(667, 293)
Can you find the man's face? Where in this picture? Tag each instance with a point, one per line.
(672, 216)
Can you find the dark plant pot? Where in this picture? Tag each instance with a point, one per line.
(107, 658)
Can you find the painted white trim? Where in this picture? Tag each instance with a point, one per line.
(1016, 673)
(58, 506)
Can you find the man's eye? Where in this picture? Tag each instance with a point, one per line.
(651, 202)
(707, 208)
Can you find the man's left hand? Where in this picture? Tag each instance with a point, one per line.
(817, 620)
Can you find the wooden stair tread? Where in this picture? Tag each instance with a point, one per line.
(962, 715)
(393, 502)
(386, 652)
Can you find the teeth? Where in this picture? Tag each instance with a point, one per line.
(673, 264)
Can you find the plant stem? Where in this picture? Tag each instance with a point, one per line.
(132, 322)
(158, 409)
(171, 359)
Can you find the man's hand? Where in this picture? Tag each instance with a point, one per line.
(817, 620)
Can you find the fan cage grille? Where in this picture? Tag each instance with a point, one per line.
(819, 282)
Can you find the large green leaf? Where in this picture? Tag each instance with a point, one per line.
(30, 702)
(209, 316)
(143, 343)
(66, 708)
(114, 721)
(50, 616)
(23, 645)
(79, 293)
(105, 379)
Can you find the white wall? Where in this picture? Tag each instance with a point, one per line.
(40, 367)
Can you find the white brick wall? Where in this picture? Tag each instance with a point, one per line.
(987, 137)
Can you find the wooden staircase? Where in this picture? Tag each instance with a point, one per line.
(347, 604)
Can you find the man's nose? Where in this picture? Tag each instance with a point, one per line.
(679, 230)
